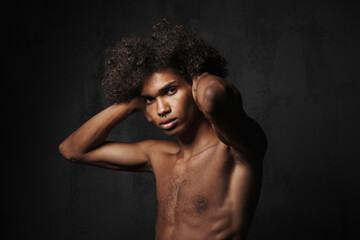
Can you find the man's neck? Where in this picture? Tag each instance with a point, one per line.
(197, 138)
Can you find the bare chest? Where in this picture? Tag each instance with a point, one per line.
(194, 188)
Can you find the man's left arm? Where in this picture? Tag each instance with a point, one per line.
(221, 104)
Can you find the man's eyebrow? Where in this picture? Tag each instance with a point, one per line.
(145, 96)
(160, 91)
(164, 88)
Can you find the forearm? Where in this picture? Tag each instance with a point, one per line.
(92, 133)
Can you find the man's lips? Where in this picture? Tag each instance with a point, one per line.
(168, 124)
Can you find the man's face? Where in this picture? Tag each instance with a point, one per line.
(169, 103)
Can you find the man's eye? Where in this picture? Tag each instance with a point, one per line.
(149, 100)
(172, 90)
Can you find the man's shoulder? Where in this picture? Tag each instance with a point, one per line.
(160, 152)
(161, 146)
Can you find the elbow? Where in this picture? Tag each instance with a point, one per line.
(66, 152)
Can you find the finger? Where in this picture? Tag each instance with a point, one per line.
(194, 93)
(194, 81)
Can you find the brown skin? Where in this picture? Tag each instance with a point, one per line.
(208, 182)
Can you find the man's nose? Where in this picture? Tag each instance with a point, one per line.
(163, 108)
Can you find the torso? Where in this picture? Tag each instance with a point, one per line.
(212, 195)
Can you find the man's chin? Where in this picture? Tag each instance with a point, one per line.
(173, 132)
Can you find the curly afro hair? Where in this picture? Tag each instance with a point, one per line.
(169, 46)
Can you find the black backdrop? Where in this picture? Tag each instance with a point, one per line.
(296, 64)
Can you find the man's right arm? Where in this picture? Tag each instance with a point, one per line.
(86, 144)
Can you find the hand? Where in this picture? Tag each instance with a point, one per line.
(195, 87)
(136, 104)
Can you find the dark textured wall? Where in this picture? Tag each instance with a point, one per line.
(296, 64)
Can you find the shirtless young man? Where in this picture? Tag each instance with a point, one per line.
(208, 182)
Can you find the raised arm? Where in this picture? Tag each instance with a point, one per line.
(221, 104)
(86, 144)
